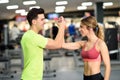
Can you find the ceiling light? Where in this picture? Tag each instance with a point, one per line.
(81, 7)
(108, 4)
(34, 7)
(24, 13)
(61, 3)
(59, 10)
(12, 7)
(20, 11)
(86, 4)
(29, 2)
(60, 7)
(4, 1)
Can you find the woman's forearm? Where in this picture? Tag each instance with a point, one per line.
(107, 73)
(70, 46)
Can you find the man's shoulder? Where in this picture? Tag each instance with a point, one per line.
(26, 35)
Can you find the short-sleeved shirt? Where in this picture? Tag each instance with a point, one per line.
(71, 29)
(33, 45)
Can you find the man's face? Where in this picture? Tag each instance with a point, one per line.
(40, 21)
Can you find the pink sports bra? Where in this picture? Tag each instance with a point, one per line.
(91, 55)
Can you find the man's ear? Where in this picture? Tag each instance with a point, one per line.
(33, 21)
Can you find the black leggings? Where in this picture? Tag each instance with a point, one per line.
(97, 76)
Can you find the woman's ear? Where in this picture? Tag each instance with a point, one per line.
(90, 29)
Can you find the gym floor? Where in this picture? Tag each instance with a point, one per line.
(66, 69)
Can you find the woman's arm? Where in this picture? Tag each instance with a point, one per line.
(106, 60)
(73, 45)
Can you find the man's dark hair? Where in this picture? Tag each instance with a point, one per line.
(33, 14)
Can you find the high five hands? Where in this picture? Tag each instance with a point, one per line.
(61, 22)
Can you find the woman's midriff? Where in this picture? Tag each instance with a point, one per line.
(91, 68)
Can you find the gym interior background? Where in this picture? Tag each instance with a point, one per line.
(61, 64)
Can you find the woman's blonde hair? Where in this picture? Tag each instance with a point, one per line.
(91, 22)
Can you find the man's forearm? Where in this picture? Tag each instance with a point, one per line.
(60, 37)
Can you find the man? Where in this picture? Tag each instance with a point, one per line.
(14, 33)
(34, 43)
(54, 31)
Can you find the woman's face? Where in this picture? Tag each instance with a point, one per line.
(83, 30)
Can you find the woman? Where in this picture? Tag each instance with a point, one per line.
(94, 50)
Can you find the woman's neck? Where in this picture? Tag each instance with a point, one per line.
(92, 37)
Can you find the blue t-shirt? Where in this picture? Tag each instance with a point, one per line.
(71, 29)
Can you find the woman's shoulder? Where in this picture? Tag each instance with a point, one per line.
(101, 43)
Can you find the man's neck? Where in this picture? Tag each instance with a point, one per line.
(34, 29)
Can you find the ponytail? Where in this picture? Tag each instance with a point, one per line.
(100, 32)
